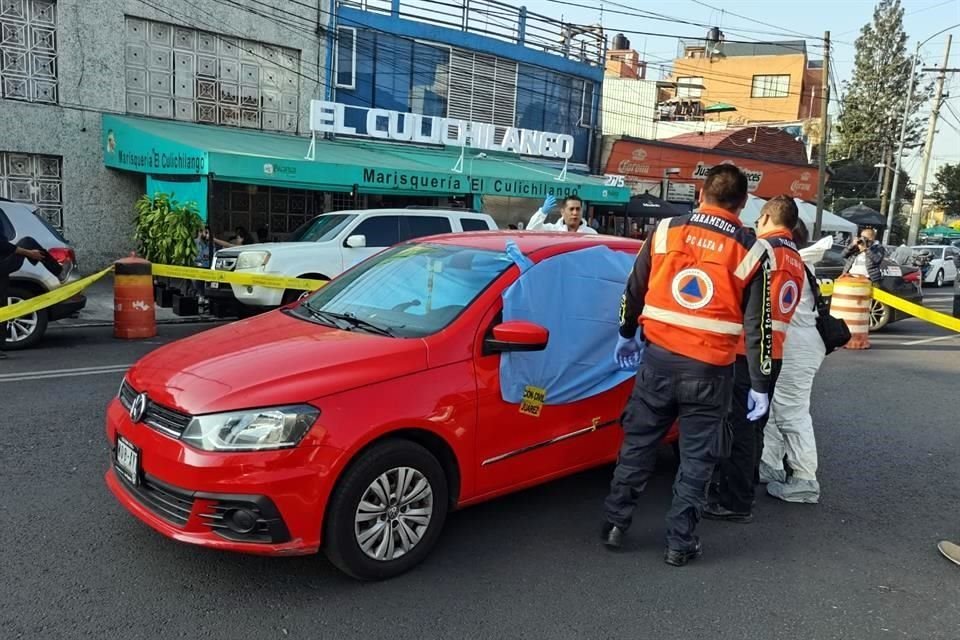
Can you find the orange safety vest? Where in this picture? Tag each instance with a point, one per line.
(785, 286)
(700, 265)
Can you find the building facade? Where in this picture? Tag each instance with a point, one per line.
(743, 83)
(68, 62)
(226, 103)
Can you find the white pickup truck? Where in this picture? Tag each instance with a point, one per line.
(332, 243)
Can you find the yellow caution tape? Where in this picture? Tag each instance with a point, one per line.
(232, 277)
(65, 292)
(917, 311)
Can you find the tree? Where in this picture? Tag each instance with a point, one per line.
(946, 190)
(873, 98)
(853, 181)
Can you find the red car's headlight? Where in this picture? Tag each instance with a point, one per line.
(252, 429)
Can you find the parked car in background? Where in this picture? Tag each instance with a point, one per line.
(18, 221)
(330, 244)
(900, 280)
(937, 262)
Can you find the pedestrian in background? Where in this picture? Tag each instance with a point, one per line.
(11, 258)
(733, 494)
(864, 256)
(789, 430)
(571, 216)
(697, 284)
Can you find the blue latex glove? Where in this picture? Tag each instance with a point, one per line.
(757, 405)
(629, 352)
(514, 253)
(549, 203)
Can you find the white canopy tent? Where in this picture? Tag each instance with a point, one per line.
(830, 223)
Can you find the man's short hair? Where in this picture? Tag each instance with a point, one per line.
(725, 186)
(783, 212)
(573, 197)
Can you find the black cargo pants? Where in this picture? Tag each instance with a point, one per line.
(736, 476)
(8, 265)
(670, 387)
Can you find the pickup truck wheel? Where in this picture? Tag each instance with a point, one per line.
(25, 331)
(939, 281)
(386, 512)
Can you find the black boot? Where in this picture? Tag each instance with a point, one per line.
(611, 535)
(716, 511)
(676, 558)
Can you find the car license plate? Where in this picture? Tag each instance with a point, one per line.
(128, 460)
(214, 285)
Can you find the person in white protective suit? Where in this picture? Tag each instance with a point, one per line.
(789, 430)
(571, 216)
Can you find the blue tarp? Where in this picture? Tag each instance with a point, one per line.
(576, 296)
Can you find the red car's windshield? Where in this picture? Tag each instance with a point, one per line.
(410, 291)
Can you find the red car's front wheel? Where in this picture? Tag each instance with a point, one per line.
(387, 511)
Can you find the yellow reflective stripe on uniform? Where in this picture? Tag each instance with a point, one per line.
(692, 322)
(751, 260)
(660, 236)
(780, 325)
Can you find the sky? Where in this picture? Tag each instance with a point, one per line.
(786, 20)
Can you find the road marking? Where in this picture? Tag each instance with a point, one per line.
(929, 340)
(63, 373)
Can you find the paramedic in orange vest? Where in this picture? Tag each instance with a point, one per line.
(732, 494)
(697, 285)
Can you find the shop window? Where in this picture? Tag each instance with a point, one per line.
(380, 231)
(28, 50)
(197, 76)
(689, 91)
(34, 179)
(394, 73)
(346, 58)
(483, 88)
(586, 105)
(770, 86)
(420, 226)
(274, 212)
(472, 224)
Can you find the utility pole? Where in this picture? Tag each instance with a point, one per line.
(887, 174)
(928, 148)
(824, 134)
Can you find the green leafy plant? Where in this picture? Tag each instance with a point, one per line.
(166, 230)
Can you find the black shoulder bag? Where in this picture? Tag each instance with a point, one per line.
(833, 331)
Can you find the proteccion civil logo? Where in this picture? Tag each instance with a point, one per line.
(789, 295)
(692, 289)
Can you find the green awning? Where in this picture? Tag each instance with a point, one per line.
(720, 107)
(165, 147)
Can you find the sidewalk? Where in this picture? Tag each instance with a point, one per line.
(99, 310)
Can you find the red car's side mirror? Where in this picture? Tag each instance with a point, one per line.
(517, 335)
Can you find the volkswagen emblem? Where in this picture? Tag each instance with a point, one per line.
(138, 408)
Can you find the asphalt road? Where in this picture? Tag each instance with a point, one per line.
(862, 564)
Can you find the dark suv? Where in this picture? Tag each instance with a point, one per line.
(900, 280)
(18, 220)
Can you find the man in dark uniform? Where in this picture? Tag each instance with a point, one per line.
(698, 284)
(9, 262)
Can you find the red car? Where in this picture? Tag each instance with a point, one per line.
(351, 421)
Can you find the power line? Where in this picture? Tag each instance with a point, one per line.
(766, 24)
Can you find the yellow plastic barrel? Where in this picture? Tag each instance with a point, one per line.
(851, 300)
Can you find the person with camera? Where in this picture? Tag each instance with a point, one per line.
(864, 256)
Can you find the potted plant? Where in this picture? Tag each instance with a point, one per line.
(166, 233)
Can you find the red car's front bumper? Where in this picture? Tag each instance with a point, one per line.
(187, 494)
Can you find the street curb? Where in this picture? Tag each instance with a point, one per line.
(104, 323)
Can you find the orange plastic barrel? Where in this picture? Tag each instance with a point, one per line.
(134, 315)
(852, 296)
